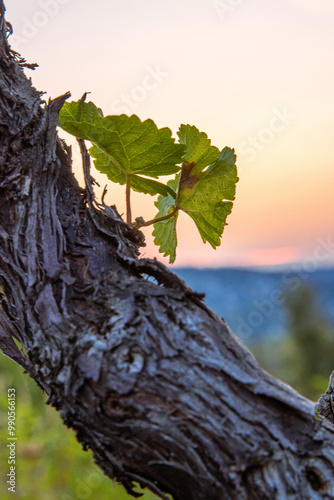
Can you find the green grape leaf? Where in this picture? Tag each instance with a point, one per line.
(104, 164)
(77, 118)
(207, 195)
(165, 231)
(124, 146)
(198, 147)
(205, 190)
(149, 186)
(136, 153)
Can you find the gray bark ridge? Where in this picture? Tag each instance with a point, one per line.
(148, 377)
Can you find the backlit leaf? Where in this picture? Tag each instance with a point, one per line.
(124, 145)
(165, 231)
(205, 190)
(207, 195)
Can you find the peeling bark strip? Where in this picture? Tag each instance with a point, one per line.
(150, 379)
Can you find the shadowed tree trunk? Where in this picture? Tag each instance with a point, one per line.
(150, 379)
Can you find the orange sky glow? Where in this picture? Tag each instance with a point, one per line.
(256, 75)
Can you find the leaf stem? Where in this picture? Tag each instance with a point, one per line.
(127, 198)
(141, 223)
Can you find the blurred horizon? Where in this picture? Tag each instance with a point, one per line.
(256, 75)
(279, 268)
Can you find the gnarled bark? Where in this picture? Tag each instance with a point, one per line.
(150, 379)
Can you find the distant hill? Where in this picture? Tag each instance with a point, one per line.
(252, 301)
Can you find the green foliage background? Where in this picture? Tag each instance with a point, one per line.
(304, 358)
(50, 464)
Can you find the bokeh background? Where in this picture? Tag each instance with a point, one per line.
(256, 75)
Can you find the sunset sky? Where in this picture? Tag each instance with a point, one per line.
(256, 75)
